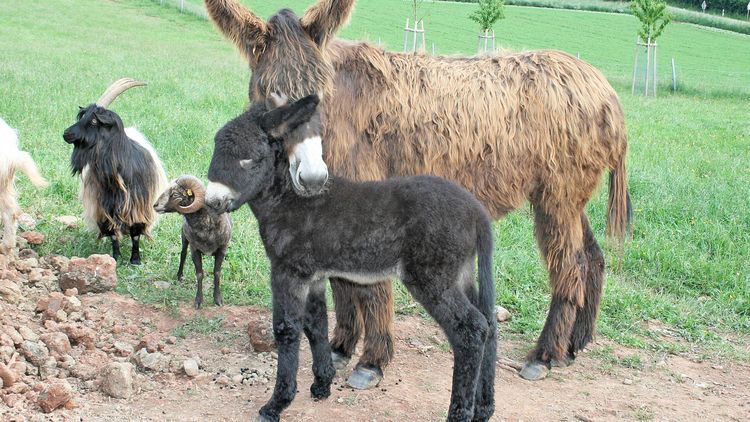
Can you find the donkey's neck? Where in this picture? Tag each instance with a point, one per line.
(278, 198)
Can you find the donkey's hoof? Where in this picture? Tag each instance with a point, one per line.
(365, 378)
(534, 371)
(339, 361)
(263, 418)
(564, 362)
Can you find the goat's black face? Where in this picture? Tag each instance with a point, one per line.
(93, 123)
(245, 156)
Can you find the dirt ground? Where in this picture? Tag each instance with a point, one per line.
(417, 383)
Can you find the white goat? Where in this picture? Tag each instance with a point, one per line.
(12, 159)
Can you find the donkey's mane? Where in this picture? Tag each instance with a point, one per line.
(284, 71)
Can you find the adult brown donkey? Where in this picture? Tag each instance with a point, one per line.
(540, 126)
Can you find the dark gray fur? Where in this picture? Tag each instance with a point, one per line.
(425, 230)
(206, 232)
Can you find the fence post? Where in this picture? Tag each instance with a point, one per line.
(648, 65)
(406, 32)
(182, 6)
(674, 77)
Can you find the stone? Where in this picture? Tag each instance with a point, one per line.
(190, 367)
(28, 253)
(57, 263)
(35, 275)
(49, 368)
(34, 352)
(223, 380)
(150, 342)
(26, 221)
(237, 379)
(78, 334)
(71, 292)
(6, 340)
(57, 342)
(7, 375)
(123, 349)
(69, 221)
(57, 393)
(50, 304)
(118, 380)
(71, 304)
(21, 243)
(26, 265)
(149, 361)
(14, 335)
(11, 400)
(61, 316)
(502, 314)
(95, 274)
(66, 362)
(34, 238)
(9, 291)
(27, 333)
(260, 331)
(163, 285)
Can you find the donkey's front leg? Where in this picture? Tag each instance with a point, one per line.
(316, 330)
(289, 297)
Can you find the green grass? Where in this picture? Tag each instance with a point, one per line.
(735, 23)
(688, 265)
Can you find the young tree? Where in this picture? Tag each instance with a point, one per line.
(488, 13)
(653, 16)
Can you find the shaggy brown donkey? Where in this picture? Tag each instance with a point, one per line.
(424, 230)
(539, 126)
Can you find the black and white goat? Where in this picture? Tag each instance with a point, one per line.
(11, 160)
(121, 175)
(424, 230)
(205, 231)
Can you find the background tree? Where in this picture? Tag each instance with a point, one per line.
(653, 16)
(488, 13)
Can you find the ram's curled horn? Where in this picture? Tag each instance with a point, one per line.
(193, 185)
(118, 87)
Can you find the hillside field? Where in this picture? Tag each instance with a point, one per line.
(687, 267)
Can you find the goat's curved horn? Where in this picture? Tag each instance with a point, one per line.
(118, 87)
(193, 184)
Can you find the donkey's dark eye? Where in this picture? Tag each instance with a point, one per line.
(94, 122)
(245, 163)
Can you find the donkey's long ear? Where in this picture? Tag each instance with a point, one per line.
(322, 20)
(279, 122)
(241, 26)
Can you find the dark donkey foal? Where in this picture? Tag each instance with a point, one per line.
(425, 230)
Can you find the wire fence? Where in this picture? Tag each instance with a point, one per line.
(186, 6)
(619, 72)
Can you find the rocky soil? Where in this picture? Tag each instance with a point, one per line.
(72, 349)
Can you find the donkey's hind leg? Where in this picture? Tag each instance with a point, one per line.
(484, 399)
(467, 330)
(560, 241)
(593, 271)
(348, 322)
(375, 305)
(316, 331)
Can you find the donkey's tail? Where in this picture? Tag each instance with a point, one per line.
(26, 164)
(486, 280)
(619, 208)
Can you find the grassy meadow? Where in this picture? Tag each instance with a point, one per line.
(687, 267)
